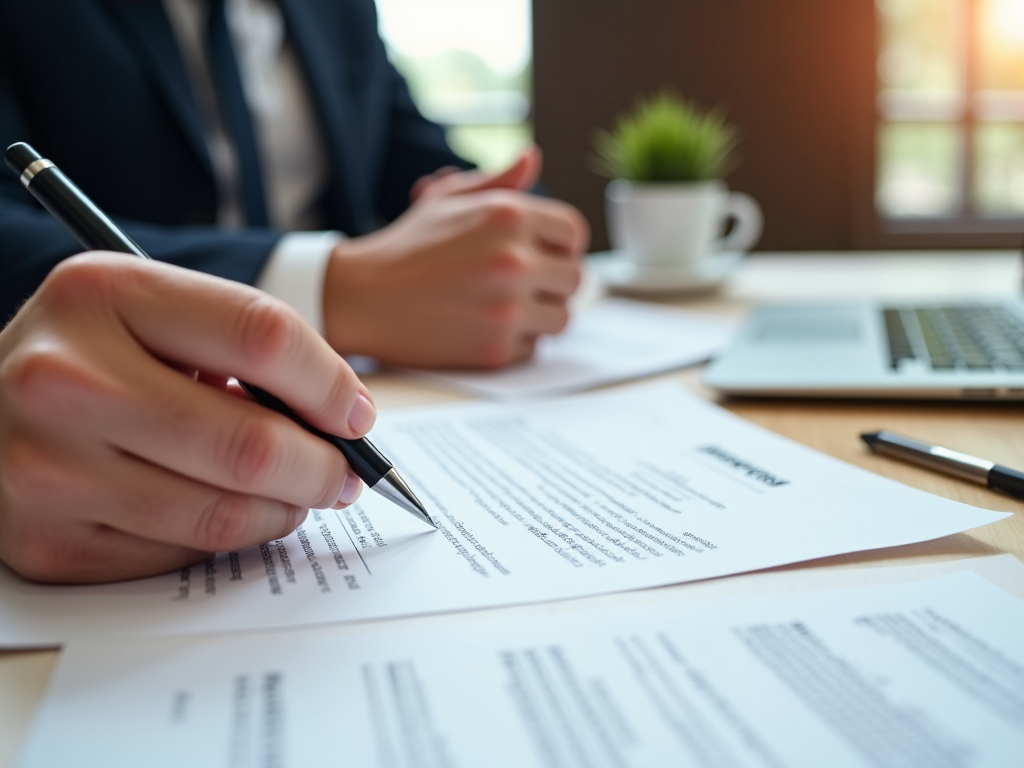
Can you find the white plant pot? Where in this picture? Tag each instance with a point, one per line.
(678, 225)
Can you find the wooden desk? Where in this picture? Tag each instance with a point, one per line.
(994, 431)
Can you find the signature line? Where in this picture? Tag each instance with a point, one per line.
(354, 545)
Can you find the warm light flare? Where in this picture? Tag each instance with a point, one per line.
(1003, 24)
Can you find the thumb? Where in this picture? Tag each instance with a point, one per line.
(521, 175)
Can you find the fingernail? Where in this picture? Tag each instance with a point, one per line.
(350, 490)
(362, 415)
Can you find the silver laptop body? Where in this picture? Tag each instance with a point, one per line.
(885, 349)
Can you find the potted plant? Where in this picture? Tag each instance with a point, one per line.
(667, 202)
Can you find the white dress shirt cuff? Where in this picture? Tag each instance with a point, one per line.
(296, 270)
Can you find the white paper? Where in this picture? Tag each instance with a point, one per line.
(921, 675)
(586, 495)
(613, 340)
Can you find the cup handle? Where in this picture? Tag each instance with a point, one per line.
(749, 223)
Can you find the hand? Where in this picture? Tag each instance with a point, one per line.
(124, 452)
(424, 183)
(468, 277)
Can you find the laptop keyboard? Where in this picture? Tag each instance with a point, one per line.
(964, 337)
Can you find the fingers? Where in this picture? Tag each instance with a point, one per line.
(49, 531)
(160, 506)
(112, 555)
(191, 429)
(228, 329)
(73, 527)
(424, 184)
(108, 386)
(545, 318)
(150, 503)
(116, 556)
(523, 348)
(521, 175)
(557, 227)
(459, 280)
(119, 460)
(556, 278)
(220, 440)
(90, 554)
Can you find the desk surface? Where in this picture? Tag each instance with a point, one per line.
(994, 431)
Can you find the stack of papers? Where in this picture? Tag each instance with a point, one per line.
(927, 673)
(536, 502)
(580, 496)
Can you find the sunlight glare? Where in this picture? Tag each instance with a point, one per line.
(1005, 23)
(498, 31)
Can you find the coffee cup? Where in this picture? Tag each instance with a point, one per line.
(676, 228)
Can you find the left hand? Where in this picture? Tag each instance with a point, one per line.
(468, 277)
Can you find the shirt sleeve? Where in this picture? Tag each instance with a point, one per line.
(295, 273)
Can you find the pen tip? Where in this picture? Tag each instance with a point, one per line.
(394, 488)
(870, 438)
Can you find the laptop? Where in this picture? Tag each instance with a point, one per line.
(884, 349)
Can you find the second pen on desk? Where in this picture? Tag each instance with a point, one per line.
(950, 462)
(94, 230)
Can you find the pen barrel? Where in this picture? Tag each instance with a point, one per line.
(935, 457)
(362, 456)
(87, 223)
(369, 464)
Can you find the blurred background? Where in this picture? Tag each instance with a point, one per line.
(468, 65)
(866, 123)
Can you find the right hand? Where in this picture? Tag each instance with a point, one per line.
(123, 450)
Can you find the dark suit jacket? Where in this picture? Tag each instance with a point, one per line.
(100, 88)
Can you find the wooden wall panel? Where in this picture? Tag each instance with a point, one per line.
(797, 75)
(794, 74)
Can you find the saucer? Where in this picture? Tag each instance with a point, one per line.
(616, 270)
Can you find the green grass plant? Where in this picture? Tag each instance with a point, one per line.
(667, 138)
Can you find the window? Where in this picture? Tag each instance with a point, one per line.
(468, 66)
(950, 138)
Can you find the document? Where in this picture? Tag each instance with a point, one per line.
(584, 495)
(919, 675)
(612, 340)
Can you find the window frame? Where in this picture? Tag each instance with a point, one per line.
(965, 117)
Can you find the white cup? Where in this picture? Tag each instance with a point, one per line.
(677, 227)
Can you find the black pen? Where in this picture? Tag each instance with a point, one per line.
(95, 231)
(961, 465)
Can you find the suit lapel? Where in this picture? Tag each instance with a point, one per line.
(329, 78)
(149, 30)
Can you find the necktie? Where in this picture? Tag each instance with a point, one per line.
(236, 114)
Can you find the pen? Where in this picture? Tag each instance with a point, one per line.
(95, 231)
(961, 465)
